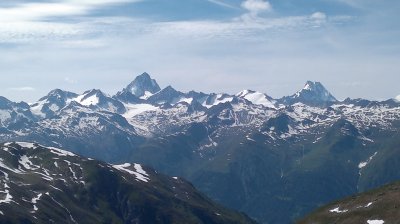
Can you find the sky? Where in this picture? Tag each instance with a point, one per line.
(274, 46)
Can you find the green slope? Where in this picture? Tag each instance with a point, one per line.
(382, 204)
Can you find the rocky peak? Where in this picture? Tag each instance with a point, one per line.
(143, 85)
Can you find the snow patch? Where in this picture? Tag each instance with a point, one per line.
(8, 198)
(363, 164)
(60, 152)
(139, 173)
(219, 98)
(256, 98)
(135, 109)
(26, 145)
(35, 200)
(86, 100)
(26, 163)
(91, 100)
(307, 87)
(186, 100)
(250, 139)
(7, 167)
(375, 221)
(5, 115)
(369, 204)
(54, 107)
(337, 210)
(73, 173)
(146, 95)
(37, 110)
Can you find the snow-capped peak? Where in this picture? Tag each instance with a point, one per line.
(143, 85)
(52, 102)
(244, 92)
(312, 93)
(317, 89)
(57, 96)
(97, 99)
(257, 98)
(90, 97)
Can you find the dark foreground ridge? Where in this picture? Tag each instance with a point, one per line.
(378, 206)
(49, 185)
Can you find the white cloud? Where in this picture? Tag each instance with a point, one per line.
(29, 12)
(36, 11)
(40, 21)
(397, 98)
(256, 6)
(318, 16)
(22, 89)
(69, 80)
(22, 32)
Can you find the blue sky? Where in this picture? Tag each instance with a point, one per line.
(351, 46)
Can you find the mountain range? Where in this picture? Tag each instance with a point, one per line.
(274, 159)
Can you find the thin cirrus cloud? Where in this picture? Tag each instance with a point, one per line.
(222, 3)
(29, 22)
(22, 89)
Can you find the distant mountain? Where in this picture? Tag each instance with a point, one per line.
(49, 185)
(141, 88)
(97, 99)
(257, 98)
(14, 116)
(49, 105)
(280, 158)
(168, 95)
(313, 94)
(378, 206)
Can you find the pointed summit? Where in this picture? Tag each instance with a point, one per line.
(143, 86)
(313, 94)
(315, 91)
(139, 89)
